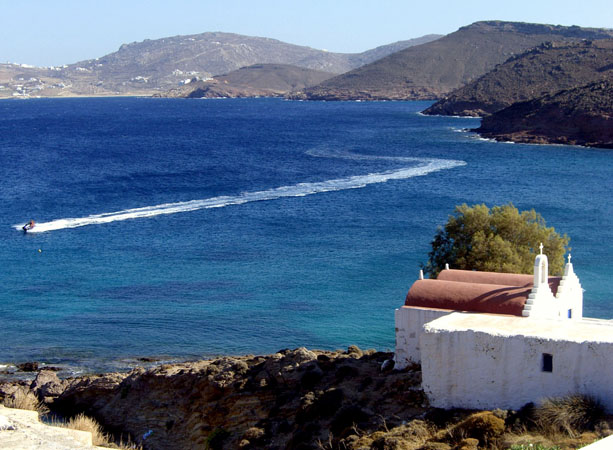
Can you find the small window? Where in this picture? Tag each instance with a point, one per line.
(570, 313)
(547, 362)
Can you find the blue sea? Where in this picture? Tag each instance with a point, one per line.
(181, 229)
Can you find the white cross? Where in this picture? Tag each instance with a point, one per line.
(569, 258)
(541, 247)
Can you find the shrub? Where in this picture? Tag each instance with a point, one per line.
(500, 239)
(572, 414)
(484, 426)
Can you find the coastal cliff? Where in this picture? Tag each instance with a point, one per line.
(579, 116)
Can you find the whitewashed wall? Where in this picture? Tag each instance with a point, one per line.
(409, 326)
(486, 361)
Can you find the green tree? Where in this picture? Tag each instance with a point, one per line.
(500, 239)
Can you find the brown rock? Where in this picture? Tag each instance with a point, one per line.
(469, 444)
(435, 446)
(47, 384)
(355, 351)
(31, 366)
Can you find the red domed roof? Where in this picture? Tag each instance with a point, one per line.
(465, 290)
(505, 279)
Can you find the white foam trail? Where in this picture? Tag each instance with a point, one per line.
(446, 116)
(425, 167)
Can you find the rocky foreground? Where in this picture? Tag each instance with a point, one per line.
(293, 399)
(580, 116)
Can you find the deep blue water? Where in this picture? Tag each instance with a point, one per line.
(246, 226)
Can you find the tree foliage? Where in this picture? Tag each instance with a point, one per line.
(500, 239)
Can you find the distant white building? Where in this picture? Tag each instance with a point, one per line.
(495, 340)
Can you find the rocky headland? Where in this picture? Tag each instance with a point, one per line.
(546, 69)
(579, 116)
(293, 399)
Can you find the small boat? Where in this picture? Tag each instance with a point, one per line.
(28, 226)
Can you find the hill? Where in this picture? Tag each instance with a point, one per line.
(432, 70)
(382, 51)
(153, 66)
(546, 69)
(258, 80)
(579, 116)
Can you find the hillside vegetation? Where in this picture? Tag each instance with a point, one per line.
(546, 69)
(434, 69)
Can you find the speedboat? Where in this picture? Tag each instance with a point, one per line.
(28, 226)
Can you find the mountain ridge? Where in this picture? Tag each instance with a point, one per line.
(432, 70)
(154, 66)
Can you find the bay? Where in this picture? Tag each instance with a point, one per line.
(188, 228)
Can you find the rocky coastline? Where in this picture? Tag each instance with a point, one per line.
(579, 116)
(293, 399)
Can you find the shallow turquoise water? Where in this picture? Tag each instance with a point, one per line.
(246, 226)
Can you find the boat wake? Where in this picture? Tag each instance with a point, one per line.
(421, 167)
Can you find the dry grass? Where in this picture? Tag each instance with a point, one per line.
(409, 436)
(83, 423)
(572, 415)
(488, 430)
(25, 399)
(526, 441)
(99, 437)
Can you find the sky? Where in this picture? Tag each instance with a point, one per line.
(45, 32)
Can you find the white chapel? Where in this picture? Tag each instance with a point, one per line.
(498, 340)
